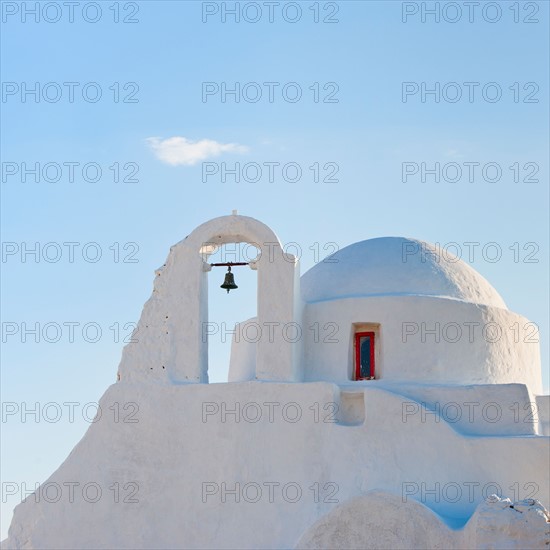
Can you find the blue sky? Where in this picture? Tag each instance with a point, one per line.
(360, 125)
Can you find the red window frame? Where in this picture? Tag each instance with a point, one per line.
(358, 336)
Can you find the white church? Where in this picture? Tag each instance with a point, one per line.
(387, 398)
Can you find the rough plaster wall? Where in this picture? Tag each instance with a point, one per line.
(380, 520)
(170, 344)
(242, 363)
(412, 356)
(396, 266)
(543, 413)
(499, 523)
(172, 450)
(490, 409)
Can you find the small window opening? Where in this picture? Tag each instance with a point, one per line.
(364, 356)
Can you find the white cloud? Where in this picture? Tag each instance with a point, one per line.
(178, 150)
(454, 153)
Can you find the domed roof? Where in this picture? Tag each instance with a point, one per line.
(396, 266)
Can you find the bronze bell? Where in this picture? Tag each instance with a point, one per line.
(229, 281)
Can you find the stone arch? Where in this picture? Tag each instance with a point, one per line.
(173, 320)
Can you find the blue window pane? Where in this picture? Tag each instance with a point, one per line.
(365, 348)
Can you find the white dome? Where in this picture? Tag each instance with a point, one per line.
(396, 266)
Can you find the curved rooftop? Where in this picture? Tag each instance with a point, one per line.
(396, 266)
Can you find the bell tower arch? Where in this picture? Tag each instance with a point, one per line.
(171, 344)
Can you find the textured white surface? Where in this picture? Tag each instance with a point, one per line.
(418, 341)
(379, 520)
(501, 523)
(171, 345)
(383, 455)
(397, 266)
(440, 322)
(242, 363)
(171, 451)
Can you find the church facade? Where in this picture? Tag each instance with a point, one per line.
(387, 398)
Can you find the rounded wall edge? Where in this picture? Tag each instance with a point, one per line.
(424, 339)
